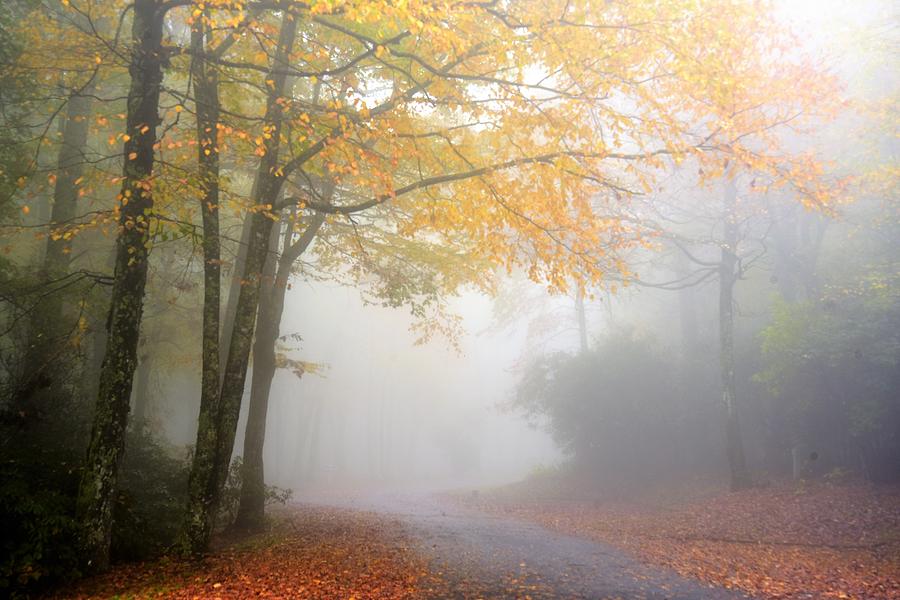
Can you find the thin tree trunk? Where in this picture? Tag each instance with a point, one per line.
(251, 513)
(98, 483)
(739, 477)
(582, 320)
(210, 467)
(48, 323)
(234, 290)
(206, 96)
(90, 386)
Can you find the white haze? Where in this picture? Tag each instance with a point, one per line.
(387, 413)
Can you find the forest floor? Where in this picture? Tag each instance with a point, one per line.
(531, 541)
(311, 552)
(403, 545)
(785, 541)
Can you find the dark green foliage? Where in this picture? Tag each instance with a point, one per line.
(39, 534)
(41, 452)
(150, 502)
(39, 477)
(596, 401)
(832, 367)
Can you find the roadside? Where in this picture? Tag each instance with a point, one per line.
(311, 552)
(784, 541)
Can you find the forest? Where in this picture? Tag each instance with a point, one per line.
(449, 299)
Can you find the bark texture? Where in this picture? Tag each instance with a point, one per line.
(98, 483)
(201, 487)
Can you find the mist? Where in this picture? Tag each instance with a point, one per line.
(569, 299)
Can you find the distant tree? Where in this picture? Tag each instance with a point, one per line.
(610, 408)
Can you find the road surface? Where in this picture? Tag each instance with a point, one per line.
(476, 555)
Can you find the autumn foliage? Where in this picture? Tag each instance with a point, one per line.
(423, 146)
(311, 553)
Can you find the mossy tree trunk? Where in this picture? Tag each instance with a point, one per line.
(211, 461)
(98, 484)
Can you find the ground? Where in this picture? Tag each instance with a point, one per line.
(473, 554)
(401, 546)
(312, 552)
(784, 540)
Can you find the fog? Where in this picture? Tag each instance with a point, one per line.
(389, 413)
(385, 411)
(545, 269)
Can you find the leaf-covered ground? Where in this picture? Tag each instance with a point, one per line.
(783, 541)
(313, 552)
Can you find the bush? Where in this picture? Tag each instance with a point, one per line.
(622, 411)
(37, 500)
(39, 535)
(152, 497)
(41, 451)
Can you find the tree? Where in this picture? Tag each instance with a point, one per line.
(253, 494)
(498, 131)
(593, 402)
(728, 274)
(208, 108)
(95, 496)
(579, 175)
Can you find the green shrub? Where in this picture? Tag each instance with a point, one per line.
(39, 535)
(152, 497)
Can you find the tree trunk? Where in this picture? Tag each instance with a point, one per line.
(48, 324)
(251, 512)
(234, 290)
(206, 97)
(96, 331)
(582, 320)
(211, 462)
(739, 477)
(98, 483)
(141, 391)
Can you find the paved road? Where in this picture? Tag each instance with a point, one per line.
(482, 556)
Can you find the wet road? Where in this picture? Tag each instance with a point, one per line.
(475, 555)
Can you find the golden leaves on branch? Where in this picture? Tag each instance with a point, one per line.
(515, 133)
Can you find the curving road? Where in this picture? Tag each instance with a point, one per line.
(474, 555)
